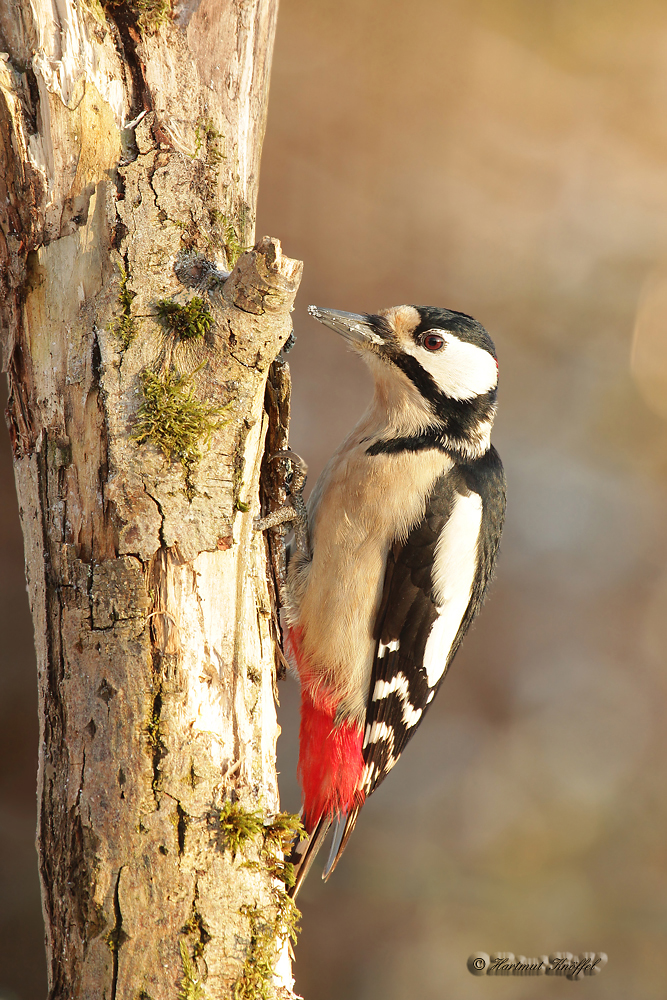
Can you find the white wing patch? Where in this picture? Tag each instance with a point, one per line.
(368, 776)
(411, 716)
(454, 569)
(399, 684)
(391, 646)
(378, 731)
(461, 370)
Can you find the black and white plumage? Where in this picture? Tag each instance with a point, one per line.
(404, 526)
(424, 616)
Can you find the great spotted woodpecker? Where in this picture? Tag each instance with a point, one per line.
(394, 558)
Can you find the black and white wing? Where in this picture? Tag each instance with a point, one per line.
(434, 586)
(435, 583)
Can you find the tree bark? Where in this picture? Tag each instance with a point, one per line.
(138, 430)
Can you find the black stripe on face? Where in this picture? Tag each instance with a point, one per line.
(419, 442)
(455, 410)
(460, 418)
(456, 421)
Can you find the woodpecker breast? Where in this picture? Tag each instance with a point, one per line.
(355, 514)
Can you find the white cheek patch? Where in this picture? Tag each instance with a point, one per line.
(454, 569)
(461, 370)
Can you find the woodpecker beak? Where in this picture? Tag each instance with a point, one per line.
(354, 327)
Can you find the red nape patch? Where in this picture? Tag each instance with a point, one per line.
(330, 764)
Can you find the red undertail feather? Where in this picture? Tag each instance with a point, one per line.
(330, 764)
(330, 760)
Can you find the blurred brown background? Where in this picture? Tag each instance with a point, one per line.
(507, 158)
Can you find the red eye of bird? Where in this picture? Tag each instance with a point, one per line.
(432, 342)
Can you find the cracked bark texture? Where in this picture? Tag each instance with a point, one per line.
(153, 607)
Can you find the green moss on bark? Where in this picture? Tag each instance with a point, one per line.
(191, 321)
(174, 419)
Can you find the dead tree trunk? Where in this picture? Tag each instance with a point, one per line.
(130, 137)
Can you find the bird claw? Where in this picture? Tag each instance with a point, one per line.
(294, 510)
(296, 479)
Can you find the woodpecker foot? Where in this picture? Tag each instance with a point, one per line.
(294, 510)
(282, 515)
(295, 477)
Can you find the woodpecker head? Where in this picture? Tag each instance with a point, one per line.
(436, 375)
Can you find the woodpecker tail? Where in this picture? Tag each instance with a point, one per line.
(303, 853)
(344, 826)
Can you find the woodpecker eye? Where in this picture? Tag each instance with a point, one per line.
(433, 342)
